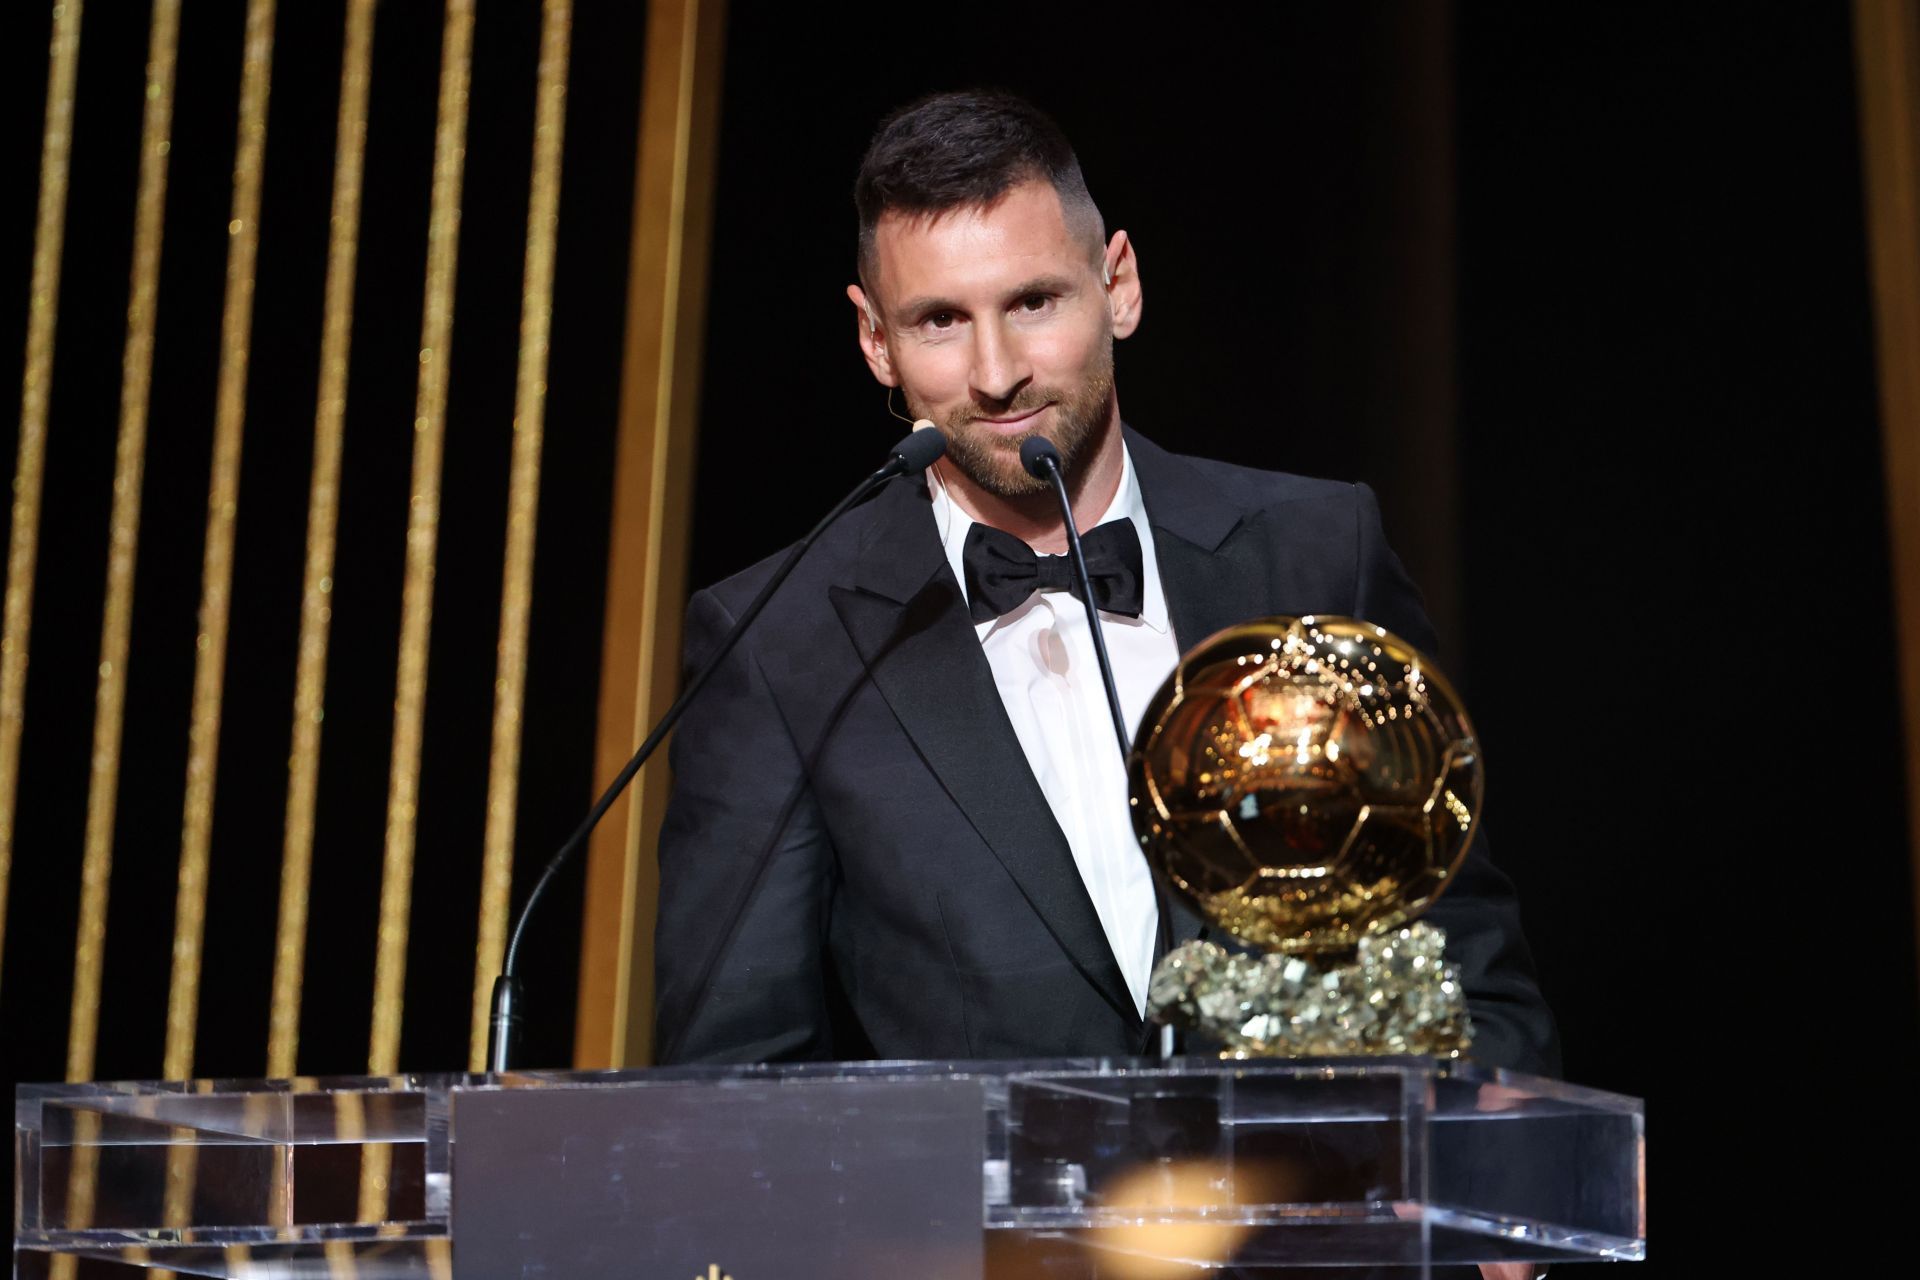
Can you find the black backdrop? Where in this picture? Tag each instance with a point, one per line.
(1611, 259)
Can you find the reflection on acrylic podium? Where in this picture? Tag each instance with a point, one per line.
(1114, 1168)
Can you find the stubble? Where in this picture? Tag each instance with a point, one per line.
(992, 461)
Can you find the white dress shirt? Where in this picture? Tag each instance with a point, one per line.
(1049, 679)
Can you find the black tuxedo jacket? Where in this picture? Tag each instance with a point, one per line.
(857, 860)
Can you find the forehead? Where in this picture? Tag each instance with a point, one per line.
(974, 249)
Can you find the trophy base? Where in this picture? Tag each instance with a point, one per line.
(1396, 996)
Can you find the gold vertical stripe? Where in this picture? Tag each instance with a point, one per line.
(523, 503)
(416, 608)
(1887, 56)
(183, 1167)
(216, 569)
(350, 1127)
(647, 559)
(323, 510)
(376, 1173)
(341, 1263)
(280, 1192)
(136, 369)
(43, 310)
(83, 1179)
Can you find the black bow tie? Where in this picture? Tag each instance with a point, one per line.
(1003, 571)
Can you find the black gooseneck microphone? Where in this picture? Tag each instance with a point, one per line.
(1042, 461)
(919, 450)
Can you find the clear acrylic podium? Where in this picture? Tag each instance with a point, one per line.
(1110, 1168)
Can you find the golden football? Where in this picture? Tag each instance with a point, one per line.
(1309, 781)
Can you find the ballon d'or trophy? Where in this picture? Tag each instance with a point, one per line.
(1312, 783)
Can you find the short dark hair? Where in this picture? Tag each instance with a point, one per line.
(966, 150)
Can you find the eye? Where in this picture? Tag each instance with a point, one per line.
(1034, 303)
(939, 320)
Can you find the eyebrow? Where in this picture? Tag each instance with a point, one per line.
(933, 303)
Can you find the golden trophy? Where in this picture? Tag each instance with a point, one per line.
(1312, 783)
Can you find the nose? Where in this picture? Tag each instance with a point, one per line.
(1000, 364)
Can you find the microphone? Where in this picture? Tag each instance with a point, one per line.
(1042, 461)
(920, 449)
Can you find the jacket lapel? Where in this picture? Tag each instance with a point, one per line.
(907, 617)
(1212, 561)
(1213, 570)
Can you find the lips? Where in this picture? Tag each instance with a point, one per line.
(1014, 422)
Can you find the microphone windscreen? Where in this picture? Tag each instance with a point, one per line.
(1035, 453)
(921, 448)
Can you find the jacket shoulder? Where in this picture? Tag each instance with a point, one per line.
(1261, 489)
(1185, 486)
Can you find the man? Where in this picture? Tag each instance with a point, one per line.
(899, 823)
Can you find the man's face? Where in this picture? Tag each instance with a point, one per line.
(996, 324)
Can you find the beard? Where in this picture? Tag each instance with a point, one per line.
(992, 460)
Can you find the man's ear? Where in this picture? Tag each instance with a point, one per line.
(1122, 277)
(873, 339)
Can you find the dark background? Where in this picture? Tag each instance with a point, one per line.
(1581, 290)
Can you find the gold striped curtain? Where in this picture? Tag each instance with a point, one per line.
(1887, 54)
(276, 581)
